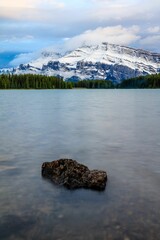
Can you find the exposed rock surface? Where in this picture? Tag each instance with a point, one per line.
(73, 175)
(104, 61)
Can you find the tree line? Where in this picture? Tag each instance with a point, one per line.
(33, 81)
(149, 81)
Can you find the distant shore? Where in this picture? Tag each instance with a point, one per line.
(32, 81)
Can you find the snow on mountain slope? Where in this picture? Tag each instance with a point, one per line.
(44, 58)
(112, 54)
(103, 61)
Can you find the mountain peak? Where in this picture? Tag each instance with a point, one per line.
(99, 61)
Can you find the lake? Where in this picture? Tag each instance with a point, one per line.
(113, 130)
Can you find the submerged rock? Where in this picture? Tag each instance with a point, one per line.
(73, 175)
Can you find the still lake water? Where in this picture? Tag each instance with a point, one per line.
(113, 130)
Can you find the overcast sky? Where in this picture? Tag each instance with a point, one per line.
(29, 25)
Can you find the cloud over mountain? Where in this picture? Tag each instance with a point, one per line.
(113, 34)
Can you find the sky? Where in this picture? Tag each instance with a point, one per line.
(27, 26)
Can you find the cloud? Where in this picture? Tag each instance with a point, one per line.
(54, 20)
(114, 34)
(16, 3)
(155, 29)
(151, 43)
(31, 3)
(126, 12)
(32, 10)
(24, 58)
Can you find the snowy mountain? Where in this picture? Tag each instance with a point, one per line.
(103, 61)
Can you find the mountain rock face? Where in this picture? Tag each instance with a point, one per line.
(103, 61)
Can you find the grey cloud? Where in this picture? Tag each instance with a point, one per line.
(151, 43)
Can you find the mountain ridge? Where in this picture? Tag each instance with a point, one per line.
(102, 61)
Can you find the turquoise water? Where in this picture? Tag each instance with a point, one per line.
(113, 130)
